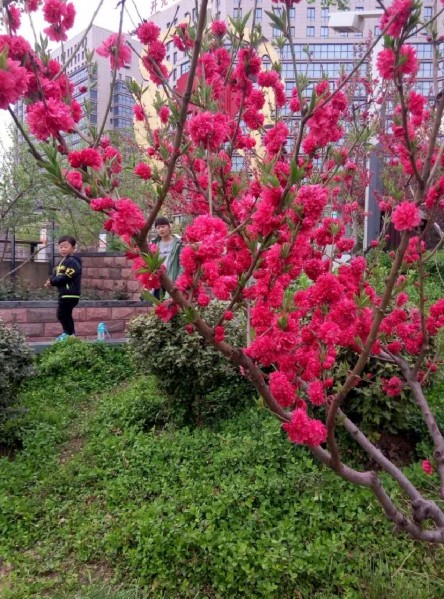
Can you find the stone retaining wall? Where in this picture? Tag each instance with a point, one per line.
(37, 320)
(110, 273)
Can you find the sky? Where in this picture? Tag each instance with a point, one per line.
(107, 17)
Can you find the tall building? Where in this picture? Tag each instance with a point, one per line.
(318, 49)
(93, 82)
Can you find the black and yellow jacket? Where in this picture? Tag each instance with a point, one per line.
(67, 276)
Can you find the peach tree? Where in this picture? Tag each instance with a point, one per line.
(272, 233)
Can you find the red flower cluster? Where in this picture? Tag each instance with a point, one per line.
(60, 15)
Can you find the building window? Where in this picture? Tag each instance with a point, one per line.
(185, 67)
(266, 62)
(344, 34)
(376, 30)
(324, 31)
(292, 13)
(325, 14)
(258, 15)
(237, 12)
(289, 86)
(311, 13)
(428, 11)
(174, 57)
(237, 163)
(310, 31)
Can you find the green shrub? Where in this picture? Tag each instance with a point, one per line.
(188, 513)
(66, 375)
(201, 384)
(16, 364)
(93, 364)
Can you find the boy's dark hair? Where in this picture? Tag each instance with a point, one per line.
(67, 238)
(161, 220)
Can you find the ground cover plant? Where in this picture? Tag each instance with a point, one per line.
(282, 216)
(103, 501)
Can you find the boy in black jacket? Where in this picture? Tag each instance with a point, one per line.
(66, 277)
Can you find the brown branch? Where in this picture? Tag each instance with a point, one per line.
(141, 240)
(359, 366)
(429, 419)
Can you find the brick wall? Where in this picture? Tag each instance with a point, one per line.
(110, 273)
(37, 320)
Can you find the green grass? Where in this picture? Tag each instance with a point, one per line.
(106, 501)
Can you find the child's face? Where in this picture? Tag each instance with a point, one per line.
(163, 230)
(65, 248)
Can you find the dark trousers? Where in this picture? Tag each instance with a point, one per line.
(64, 313)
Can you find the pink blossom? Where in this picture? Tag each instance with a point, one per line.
(138, 112)
(99, 204)
(32, 5)
(166, 311)
(281, 389)
(407, 63)
(74, 178)
(392, 386)
(276, 138)
(13, 83)
(49, 118)
(13, 17)
(164, 114)
(398, 13)
(219, 334)
(147, 33)
(208, 129)
(203, 299)
(143, 171)
(406, 216)
(84, 158)
(17, 48)
(316, 393)
(126, 219)
(427, 467)
(116, 50)
(60, 16)
(219, 28)
(303, 430)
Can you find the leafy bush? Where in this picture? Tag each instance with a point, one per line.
(232, 512)
(202, 385)
(70, 371)
(16, 362)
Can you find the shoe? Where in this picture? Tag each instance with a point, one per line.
(62, 337)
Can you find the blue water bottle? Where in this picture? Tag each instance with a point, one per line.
(101, 331)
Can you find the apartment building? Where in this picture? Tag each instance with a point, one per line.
(318, 49)
(93, 84)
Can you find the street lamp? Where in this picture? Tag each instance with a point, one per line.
(353, 22)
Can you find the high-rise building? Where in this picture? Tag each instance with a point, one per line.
(318, 49)
(93, 81)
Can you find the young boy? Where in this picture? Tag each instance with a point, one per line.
(66, 277)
